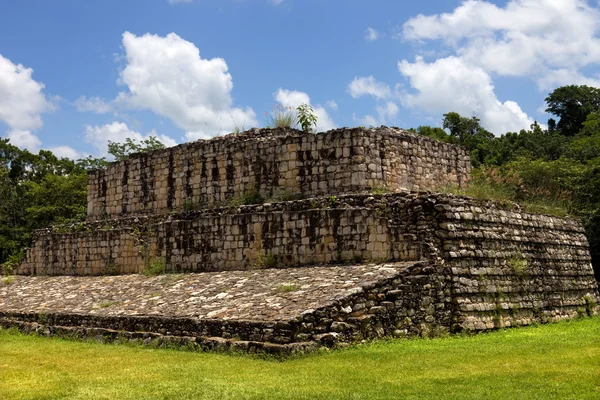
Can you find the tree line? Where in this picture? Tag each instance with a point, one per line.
(553, 169)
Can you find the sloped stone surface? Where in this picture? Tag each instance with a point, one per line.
(259, 295)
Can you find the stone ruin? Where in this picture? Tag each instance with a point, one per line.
(349, 241)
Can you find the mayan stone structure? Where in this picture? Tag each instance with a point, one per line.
(349, 241)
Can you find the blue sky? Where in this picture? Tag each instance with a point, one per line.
(75, 74)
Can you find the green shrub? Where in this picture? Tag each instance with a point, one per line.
(155, 267)
(266, 261)
(307, 117)
(518, 264)
(282, 117)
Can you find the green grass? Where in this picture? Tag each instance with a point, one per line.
(557, 361)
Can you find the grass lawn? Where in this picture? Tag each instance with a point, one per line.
(553, 361)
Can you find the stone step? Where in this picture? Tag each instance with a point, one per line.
(156, 340)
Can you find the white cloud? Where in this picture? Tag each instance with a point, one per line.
(94, 104)
(387, 112)
(332, 104)
(533, 38)
(450, 84)
(25, 140)
(293, 98)
(22, 103)
(368, 85)
(66, 151)
(562, 77)
(99, 136)
(168, 76)
(371, 34)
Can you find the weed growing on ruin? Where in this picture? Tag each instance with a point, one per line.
(287, 288)
(106, 304)
(266, 261)
(281, 117)
(249, 197)
(333, 201)
(287, 195)
(590, 305)
(518, 264)
(307, 117)
(155, 267)
(380, 190)
(8, 271)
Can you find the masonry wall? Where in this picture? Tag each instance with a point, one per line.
(307, 232)
(90, 252)
(513, 268)
(278, 164)
(494, 266)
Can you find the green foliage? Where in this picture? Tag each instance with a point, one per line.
(122, 151)
(518, 264)
(333, 201)
(287, 288)
(281, 117)
(249, 197)
(572, 104)
(36, 190)
(434, 133)
(469, 133)
(156, 267)
(266, 260)
(380, 190)
(307, 117)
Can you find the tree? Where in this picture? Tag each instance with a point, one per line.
(572, 104)
(469, 133)
(122, 151)
(434, 132)
(36, 190)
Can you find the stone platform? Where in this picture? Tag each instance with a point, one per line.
(273, 310)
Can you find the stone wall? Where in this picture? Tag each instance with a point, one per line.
(276, 164)
(89, 252)
(513, 268)
(484, 266)
(304, 232)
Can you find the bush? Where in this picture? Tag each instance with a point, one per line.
(281, 117)
(155, 267)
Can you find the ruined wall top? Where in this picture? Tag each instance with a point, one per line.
(276, 164)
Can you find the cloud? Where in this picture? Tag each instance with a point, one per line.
(332, 104)
(66, 152)
(371, 34)
(94, 104)
(540, 39)
(387, 112)
(99, 136)
(22, 103)
(167, 76)
(450, 84)
(25, 140)
(293, 98)
(368, 85)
